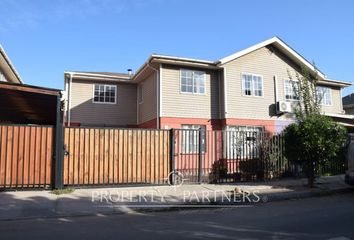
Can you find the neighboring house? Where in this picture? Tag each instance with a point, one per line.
(8, 72)
(348, 104)
(249, 89)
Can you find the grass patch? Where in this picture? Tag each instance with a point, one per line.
(62, 191)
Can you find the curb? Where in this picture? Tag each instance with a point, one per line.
(272, 197)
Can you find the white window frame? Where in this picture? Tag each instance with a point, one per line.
(140, 93)
(192, 147)
(243, 147)
(323, 94)
(193, 81)
(252, 85)
(292, 99)
(105, 85)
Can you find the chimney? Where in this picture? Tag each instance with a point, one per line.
(130, 72)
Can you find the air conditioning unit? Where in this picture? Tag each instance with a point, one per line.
(284, 107)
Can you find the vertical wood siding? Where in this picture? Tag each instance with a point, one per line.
(25, 156)
(104, 156)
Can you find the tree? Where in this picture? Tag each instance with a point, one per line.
(314, 138)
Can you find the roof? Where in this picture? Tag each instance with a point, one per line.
(348, 100)
(25, 104)
(280, 44)
(183, 59)
(113, 74)
(29, 88)
(336, 115)
(104, 76)
(160, 58)
(9, 63)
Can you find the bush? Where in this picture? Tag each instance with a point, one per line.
(313, 141)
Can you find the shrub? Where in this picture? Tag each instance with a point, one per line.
(315, 140)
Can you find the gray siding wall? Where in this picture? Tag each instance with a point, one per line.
(83, 110)
(148, 107)
(336, 106)
(183, 105)
(349, 110)
(268, 62)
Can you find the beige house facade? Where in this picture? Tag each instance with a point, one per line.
(252, 88)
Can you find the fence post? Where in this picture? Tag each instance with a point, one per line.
(59, 147)
(172, 156)
(200, 160)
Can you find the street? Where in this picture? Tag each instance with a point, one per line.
(329, 217)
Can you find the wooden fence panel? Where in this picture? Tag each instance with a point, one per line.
(26, 156)
(106, 156)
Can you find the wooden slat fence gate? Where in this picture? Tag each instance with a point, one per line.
(109, 156)
(26, 154)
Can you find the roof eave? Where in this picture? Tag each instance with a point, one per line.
(12, 67)
(93, 75)
(273, 40)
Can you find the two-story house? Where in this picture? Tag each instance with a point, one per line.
(250, 89)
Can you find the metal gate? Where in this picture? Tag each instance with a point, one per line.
(26, 154)
(227, 156)
(111, 156)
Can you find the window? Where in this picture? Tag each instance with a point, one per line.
(104, 94)
(192, 81)
(324, 95)
(241, 141)
(190, 139)
(291, 90)
(252, 85)
(140, 93)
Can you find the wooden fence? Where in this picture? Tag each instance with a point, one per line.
(113, 156)
(105, 156)
(25, 156)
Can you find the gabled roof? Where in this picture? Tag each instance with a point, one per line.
(3, 56)
(291, 53)
(182, 61)
(278, 43)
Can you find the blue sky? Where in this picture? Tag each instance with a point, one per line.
(44, 38)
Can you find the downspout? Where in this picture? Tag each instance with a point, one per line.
(69, 99)
(225, 96)
(275, 88)
(341, 101)
(158, 95)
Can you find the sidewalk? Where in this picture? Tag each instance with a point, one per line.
(93, 201)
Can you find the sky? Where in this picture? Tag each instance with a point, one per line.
(44, 38)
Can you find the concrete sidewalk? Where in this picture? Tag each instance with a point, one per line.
(44, 204)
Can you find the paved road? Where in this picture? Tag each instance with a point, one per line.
(330, 217)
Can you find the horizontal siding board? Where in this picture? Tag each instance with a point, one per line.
(177, 104)
(268, 62)
(148, 107)
(84, 111)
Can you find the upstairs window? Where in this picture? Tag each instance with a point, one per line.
(104, 94)
(291, 88)
(324, 95)
(252, 85)
(192, 81)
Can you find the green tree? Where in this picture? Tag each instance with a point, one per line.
(314, 138)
